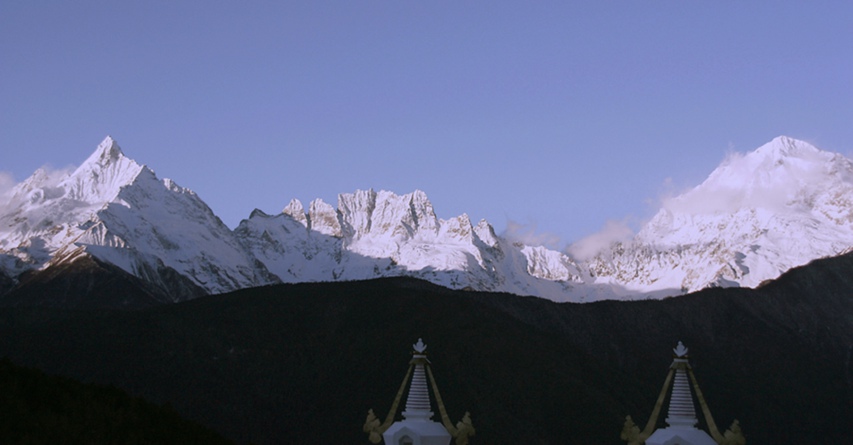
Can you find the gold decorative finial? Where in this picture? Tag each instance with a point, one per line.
(461, 431)
(734, 435)
(372, 427)
(630, 432)
(464, 429)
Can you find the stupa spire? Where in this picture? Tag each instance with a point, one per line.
(417, 403)
(681, 409)
(417, 427)
(681, 412)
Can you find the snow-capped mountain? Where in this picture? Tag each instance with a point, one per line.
(117, 211)
(754, 217)
(374, 234)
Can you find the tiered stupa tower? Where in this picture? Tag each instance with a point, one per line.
(681, 414)
(417, 426)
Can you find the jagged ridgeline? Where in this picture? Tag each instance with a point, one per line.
(755, 217)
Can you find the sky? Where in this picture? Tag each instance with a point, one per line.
(551, 120)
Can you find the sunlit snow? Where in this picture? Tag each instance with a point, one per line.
(756, 216)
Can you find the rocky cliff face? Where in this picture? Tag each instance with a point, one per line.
(755, 217)
(374, 234)
(117, 211)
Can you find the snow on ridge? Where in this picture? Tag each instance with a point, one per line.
(101, 176)
(48, 207)
(756, 216)
(119, 211)
(386, 234)
(784, 176)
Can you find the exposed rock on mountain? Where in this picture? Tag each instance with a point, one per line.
(375, 234)
(755, 217)
(117, 211)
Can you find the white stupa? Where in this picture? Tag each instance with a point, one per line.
(417, 426)
(681, 416)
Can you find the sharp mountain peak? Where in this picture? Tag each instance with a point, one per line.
(155, 230)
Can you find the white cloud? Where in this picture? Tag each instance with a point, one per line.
(48, 179)
(7, 183)
(744, 181)
(528, 235)
(612, 232)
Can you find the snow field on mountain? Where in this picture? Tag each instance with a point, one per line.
(756, 216)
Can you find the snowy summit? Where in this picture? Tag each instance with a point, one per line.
(756, 216)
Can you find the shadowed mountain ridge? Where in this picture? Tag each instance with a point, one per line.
(303, 363)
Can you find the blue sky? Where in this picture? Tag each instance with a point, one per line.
(558, 116)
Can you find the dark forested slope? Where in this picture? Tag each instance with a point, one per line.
(303, 363)
(41, 409)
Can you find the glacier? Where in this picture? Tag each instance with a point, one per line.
(756, 216)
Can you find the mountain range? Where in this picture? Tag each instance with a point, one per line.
(317, 308)
(756, 216)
